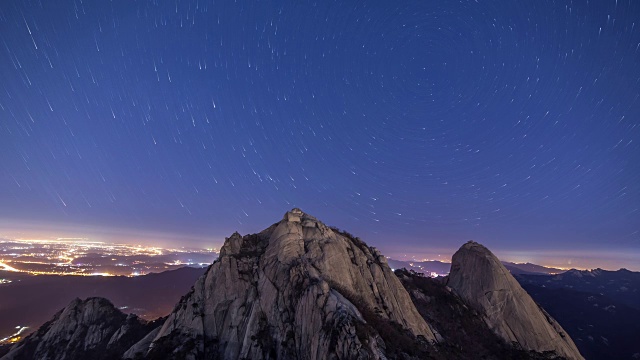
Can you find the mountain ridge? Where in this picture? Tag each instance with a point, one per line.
(302, 290)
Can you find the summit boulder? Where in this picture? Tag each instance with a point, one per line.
(483, 283)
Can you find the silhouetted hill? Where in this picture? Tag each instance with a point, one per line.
(30, 300)
(529, 268)
(84, 329)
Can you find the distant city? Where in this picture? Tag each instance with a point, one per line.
(82, 257)
(45, 274)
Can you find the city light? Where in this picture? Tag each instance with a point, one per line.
(83, 257)
(15, 337)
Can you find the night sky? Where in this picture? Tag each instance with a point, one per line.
(416, 125)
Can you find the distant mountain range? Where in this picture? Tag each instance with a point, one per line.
(621, 286)
(600, 309)
(441, 268)
(528, 268)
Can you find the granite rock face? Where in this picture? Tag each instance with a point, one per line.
(288, 293)
(483, 283)
(89, 329)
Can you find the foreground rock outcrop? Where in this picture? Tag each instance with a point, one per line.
(297, 290)
(482, 282)
(89, 329)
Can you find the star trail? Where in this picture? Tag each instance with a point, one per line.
(416, 125)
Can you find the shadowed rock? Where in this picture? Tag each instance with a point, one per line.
(89, 329)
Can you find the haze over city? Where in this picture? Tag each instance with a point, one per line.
(416, 126)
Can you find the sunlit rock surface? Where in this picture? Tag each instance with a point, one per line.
(284, 293)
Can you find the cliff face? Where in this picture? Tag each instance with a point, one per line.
(89, 329)
(464, 332)
(284, 293)
(483, 283)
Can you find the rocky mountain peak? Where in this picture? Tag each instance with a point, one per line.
(294, 215)
(482, 281)
(477, 248)
(298, 289)
(298, 216)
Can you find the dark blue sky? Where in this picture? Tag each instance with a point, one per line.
(416, 125)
